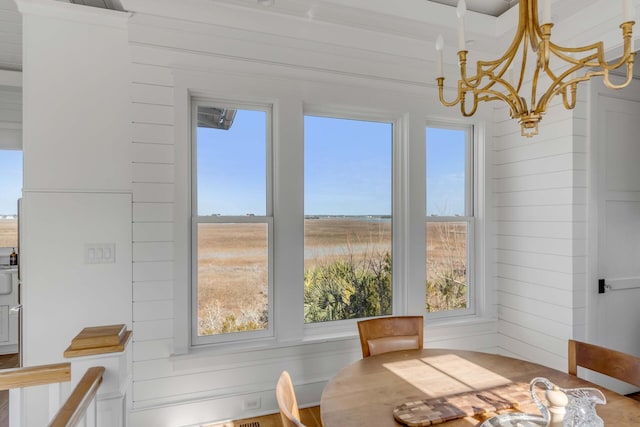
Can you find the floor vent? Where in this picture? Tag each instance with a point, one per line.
(250, 424)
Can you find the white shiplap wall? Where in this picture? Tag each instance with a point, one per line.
(10, 117)
(540, 193)
(171, 389)
(10, 76)
(10, 36)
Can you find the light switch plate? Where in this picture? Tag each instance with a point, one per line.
(99, 253)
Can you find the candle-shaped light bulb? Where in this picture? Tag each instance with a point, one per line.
(439, 48)
(461, 9)
(546, 12)
(628, 12)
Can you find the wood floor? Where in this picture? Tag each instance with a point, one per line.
(310, 417)
(6, 361)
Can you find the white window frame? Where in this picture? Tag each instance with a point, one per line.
(408, 192)
(267, 333)
(337, 328)
(469, 218)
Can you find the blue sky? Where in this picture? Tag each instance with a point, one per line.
(10, 181)
(232, 167)
(347, 168)
(445, 171)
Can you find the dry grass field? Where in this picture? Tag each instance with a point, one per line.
(232, 266)
(328, 240)
(232, 262)
(8, 230)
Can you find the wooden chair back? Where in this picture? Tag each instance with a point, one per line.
(384, 334)
(618, 365)
(286, 397)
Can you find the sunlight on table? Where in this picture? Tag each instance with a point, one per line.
(442, 375)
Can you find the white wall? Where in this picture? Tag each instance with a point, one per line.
(286, 61)
(10, 117)
(11, 42)
(91, 177)
(540, 195)
(77, 177)
(540, 202)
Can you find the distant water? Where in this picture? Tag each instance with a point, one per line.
(368, 218)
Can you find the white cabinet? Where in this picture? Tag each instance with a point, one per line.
(9, 290)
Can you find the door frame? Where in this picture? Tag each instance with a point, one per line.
(595, 163)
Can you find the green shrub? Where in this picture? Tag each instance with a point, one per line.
(348, 289)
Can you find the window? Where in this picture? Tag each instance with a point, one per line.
(449, 219)
(10, 192)
(319, 223)
(231, 222)
(347, 226)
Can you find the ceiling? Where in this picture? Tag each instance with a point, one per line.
(104, 4)
(488, 7)
(349, 12)
(11, 25)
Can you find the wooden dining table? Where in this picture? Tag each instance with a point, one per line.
(366, 392)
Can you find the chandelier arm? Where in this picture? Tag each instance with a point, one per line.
(533, 28)
(559, 87)
(628, 54)
(512, 92)
(519, 35)
(540, 35)
(534, 86)
(578, 63)
(610, 85)
(444, 102)
(463, 104)
(493, 79)
(588, 61)
(506, 61)
(507, 58)
(523, 65)
(627, 28)
(474, 81)
(492, 95)
(570, 104)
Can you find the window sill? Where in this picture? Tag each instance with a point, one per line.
(318, 339)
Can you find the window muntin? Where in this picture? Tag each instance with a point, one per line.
(10, 192)
(449, 219)
(232, 222)
(347, 227)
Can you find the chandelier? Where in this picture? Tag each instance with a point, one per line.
(494, 80)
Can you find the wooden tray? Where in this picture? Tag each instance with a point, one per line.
(442, 409)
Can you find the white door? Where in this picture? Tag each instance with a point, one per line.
(614, 315)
